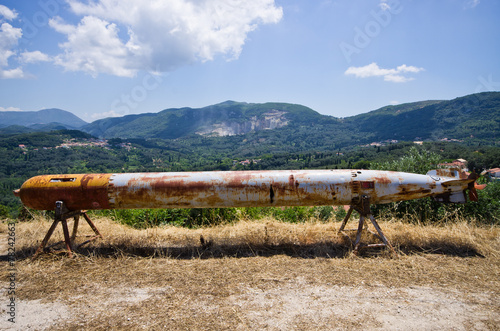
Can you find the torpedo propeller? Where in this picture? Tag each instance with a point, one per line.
(474, 186)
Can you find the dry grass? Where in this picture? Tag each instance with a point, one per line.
(261, 238)
(261, 275)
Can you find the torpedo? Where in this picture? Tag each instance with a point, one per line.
(72, 194)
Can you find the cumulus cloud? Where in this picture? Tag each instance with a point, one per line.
(94, 47)
(123, 37)
(33, 57)
(9, 37)
(8, 40)
(12, 73)
(7, 13)
(397, 75)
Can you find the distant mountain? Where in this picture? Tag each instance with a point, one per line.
(223, 119)
(476, 115)
(41, 120)
(283, 126)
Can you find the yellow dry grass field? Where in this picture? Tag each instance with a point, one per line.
(254, 275)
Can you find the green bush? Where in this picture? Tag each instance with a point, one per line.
(144, 218)
(198, 217)
(487, 208)
(418, 160)
(296, 214)
(191, 218)
(4, 211)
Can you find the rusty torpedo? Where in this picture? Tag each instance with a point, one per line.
(71, 194)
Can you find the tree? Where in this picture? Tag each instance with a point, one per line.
(417, 160)
(420, 161)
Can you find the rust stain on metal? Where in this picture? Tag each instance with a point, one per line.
(234, 188)
(381, 179)
(357, 188)
(41, 192)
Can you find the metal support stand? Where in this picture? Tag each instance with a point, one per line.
(362, 206)
(61, 215)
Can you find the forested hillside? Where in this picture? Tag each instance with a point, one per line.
(474, 117)
(471, 118)
(182, 122)
(283, 127)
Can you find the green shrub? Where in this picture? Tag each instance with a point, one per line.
(191, 218)
(419, 160)
(4, 211)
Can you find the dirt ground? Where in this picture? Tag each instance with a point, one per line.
(301, 277)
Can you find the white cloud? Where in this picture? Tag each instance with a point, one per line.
(10, 109)
(12, 73)
(98, 116)
(94, 47)
(7, 13)
(396, 75)
(161, 34)
(33, 57)
(9, 37)
(472, 3)
(384, 5)
(8, 40)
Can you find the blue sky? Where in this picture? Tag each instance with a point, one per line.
(104, 58)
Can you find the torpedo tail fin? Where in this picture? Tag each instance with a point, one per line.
(457, 178)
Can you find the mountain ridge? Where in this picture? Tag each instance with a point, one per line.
(41, 118)
(173, 123)
(475, 115)
(459, 118)
(468, 116)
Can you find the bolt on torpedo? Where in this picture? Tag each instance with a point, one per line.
(243, 188)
